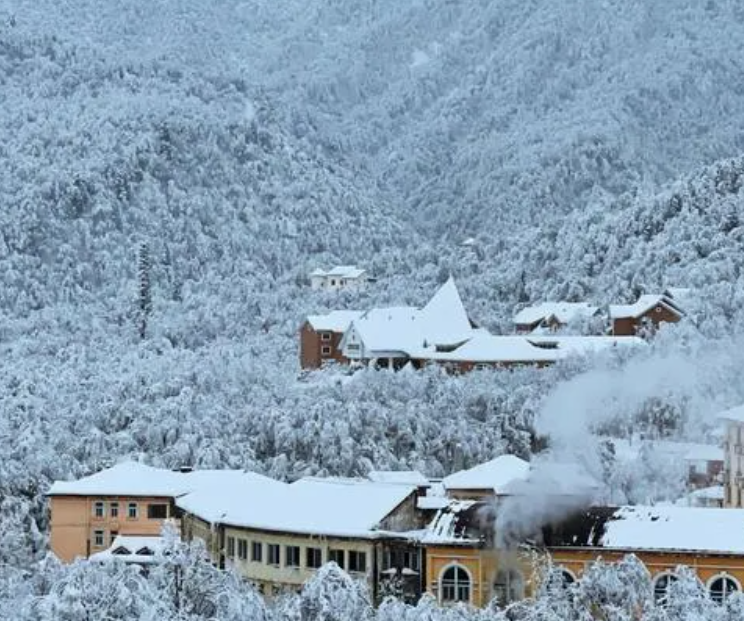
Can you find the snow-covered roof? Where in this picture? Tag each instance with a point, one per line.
(495, 475)
(330, 507)
(411, 331)
(398, 477)
(455, 523)
(489, 348)
(340, 271)
(335, 321)
(427, 503)
(660, 528)
(735, 414)
(644, 304)
(143, 550)
(133, 478)
(564, 312)
(714, 492)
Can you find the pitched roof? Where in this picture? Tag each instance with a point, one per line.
(133, 478)
(143, 550)
(335, 321)
(644, 304)
(660, 528)
(330, 507)
(564, 312)
(495, 475)
(412, 331)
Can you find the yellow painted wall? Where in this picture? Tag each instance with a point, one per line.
(483, 565)
(270, 576)
(73, 523)
(705, 566)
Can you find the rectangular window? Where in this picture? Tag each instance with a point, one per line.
(157, 512)
(273, 554)
(132, 510)
(325, 336)
(242, 549)
(99, 509)
(292, 556)
(98, 537)
(357, 561)
(325, 350)
(256, 551)
(314, 558)
(231, 547)
(114, 535)
(337, 556)
(411, 560)
(114, 509)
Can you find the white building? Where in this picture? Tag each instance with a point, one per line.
(339, 277)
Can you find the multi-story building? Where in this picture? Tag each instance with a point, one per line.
(733, 466)
(320, 338)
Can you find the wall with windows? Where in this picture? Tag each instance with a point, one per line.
(720, 574)
(734, 465)
(477, 575)
(276, 560)
(82, 525)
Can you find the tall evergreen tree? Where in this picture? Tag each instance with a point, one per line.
(144, 302)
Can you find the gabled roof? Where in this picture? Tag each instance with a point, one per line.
(444, 320)
(142, 550)
(329, 507)
(564, 312)
(411, 331)
(335, 321)
(661, 528)
(495, 475)
(135, 479)
(644, 304)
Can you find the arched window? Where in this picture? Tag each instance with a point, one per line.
(508, 586)
(567, 577)
(722, 587)
(455, 584)
(661, 588)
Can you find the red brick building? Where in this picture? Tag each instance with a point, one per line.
(320, 337)
(648, 312)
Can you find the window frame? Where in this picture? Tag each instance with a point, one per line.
(325, 336)
(334, 554)
(292, 556)
(132, 510)
(725, 594)
(99, 538)
(151, 506)
(313, 557)
(456, 585)
(354, 557)
(114, 509)
(511, 589)
(659, 598)
(242, 549)
(325, 350)
(99, 509)
(270, 560)
(257, 546)
(230, 546)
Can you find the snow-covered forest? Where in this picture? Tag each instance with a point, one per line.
(592, 152)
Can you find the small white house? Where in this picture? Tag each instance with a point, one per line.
(338, 277)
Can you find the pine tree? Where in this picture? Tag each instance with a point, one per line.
(144, 302)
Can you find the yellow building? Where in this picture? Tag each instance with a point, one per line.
(463, 562)
(281, 541)
(129, 499)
